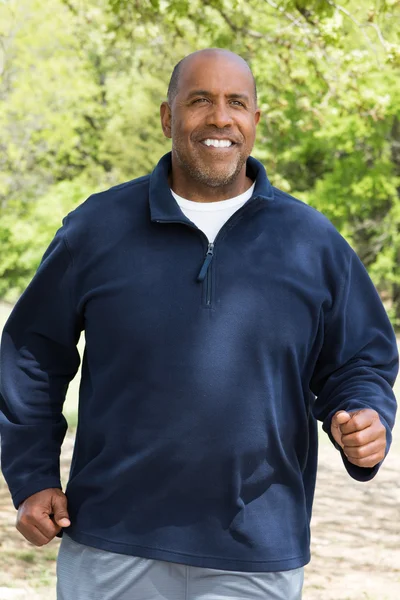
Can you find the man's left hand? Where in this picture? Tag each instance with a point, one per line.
(361, 435)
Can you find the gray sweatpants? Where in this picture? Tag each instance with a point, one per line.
(86, 573)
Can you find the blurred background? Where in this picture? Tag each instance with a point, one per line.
(80, 87)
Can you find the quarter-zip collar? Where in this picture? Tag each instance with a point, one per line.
(163, 206)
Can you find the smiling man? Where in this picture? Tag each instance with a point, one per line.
(222, 317)
(211, 117)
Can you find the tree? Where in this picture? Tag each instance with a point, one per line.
(326, 74)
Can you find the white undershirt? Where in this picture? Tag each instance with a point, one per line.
(211, 216)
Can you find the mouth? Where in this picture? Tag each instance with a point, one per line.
(217, 143)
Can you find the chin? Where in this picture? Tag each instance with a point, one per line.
(208, 174)
(217, 179)
(215, 183)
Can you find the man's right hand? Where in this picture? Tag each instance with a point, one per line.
(42, 516)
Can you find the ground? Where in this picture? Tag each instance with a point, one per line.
(355, 533)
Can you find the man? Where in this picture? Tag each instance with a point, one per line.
(222, 317)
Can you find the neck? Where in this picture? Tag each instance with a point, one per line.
(196, 191)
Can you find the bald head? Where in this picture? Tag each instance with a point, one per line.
(218, 55)
(211, 99)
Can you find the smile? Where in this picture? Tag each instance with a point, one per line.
(217, 143)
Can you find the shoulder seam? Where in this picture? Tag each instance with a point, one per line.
(297, 200)
(133, 182)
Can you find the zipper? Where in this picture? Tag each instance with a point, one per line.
(206, 263)
(208, 287)
(206, 268)
(205, 272)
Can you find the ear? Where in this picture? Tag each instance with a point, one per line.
(165, 114)
(257, 116)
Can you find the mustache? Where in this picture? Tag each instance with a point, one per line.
(219, 134)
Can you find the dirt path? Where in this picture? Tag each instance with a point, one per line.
(355, 533)
(355, 538)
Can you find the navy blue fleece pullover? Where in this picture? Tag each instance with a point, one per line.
(200, 390)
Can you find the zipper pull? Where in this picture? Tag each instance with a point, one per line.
(208, 258)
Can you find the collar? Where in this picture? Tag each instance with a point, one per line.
(163, 206)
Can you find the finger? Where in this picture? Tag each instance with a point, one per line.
(47, 526)
(40, 538)
(364, 451)
(365, 436)
(360, 419)
(36, 517)
(32, 534)
(368, 461)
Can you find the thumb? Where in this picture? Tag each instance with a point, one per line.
(60, 511)
(340, 418)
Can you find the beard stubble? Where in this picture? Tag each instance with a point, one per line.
(204, 173)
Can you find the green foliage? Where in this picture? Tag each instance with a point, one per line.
(82, 82)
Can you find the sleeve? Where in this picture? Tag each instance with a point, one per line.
(38, 359)
(358, 362)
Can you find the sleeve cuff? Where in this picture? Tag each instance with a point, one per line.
(355, 472)
(359, 473)
(34, 487)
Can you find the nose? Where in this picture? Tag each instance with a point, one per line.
(219, 115)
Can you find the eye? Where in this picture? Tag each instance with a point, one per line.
(199, 100)
(237, 102)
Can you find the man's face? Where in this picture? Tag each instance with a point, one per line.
(213, 119)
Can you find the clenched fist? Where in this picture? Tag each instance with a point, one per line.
(361, 435)
(42, 516)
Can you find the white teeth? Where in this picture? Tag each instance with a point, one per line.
(218, 143)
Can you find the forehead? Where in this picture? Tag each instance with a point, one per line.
(217, 73)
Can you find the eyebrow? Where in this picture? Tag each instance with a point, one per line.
(235, 96)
